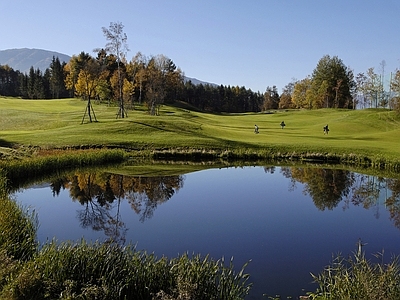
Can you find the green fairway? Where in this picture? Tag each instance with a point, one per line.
(57, 123)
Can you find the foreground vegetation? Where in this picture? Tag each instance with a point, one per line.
(358, 278)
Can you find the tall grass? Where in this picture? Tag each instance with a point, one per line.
(107, 271)
(358, 278)
(17, 230)
(50, 163)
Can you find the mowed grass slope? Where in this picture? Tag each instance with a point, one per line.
(57, 123)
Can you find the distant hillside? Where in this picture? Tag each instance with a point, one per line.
(197, 82)
(23, 59)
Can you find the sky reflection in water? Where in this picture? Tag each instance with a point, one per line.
(249, 213)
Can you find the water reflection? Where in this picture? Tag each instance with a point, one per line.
(288, 220)
(100, 194)
(328, 187)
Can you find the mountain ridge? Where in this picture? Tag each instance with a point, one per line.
(22, 59)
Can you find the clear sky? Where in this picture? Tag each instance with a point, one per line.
(252, 43)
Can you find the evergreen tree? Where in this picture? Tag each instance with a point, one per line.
(338, 80)
(23, 85)
(31, 83)
(8, 81)
(57, 85)
(38, 85)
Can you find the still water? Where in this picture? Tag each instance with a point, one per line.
(288, 221)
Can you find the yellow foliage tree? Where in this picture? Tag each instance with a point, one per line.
(128, 89)
(301, 88)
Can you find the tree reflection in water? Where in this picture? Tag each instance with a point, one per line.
(328, 187)
(102, 193)
(393, 202)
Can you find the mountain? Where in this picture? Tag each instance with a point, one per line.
(25, 58)
(197, 82)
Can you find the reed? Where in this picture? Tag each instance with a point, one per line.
(358, 278)
(58, 161)
(18, 228)
(108, 271)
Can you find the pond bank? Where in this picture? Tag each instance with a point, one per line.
(35, 159)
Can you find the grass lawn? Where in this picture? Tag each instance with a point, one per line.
(57, 123)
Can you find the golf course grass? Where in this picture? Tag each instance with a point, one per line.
(369, 135)
(40, 137)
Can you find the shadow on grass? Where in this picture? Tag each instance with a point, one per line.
(6, 144)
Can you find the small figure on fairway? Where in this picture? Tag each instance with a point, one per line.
(283, 124)
(255, 129)
(326, 129)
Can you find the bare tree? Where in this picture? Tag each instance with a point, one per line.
(117, 45)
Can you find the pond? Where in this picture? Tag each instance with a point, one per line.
(289, 221)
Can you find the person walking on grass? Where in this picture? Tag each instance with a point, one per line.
(255, 128)
(326, 129)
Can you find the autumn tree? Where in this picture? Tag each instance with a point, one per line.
(285, 101)
(395, 87)
(300, 91)
(136, 70)
(373, 88)
(173, 80)
(317, 95)
(271, 99)
(73, 68)
(87, 83)
(128, 91)
(361, 81)
(155, 87)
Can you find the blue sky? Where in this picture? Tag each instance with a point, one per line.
(253, 43)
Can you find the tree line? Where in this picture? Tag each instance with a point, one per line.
(36, 84)
(110, 77)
